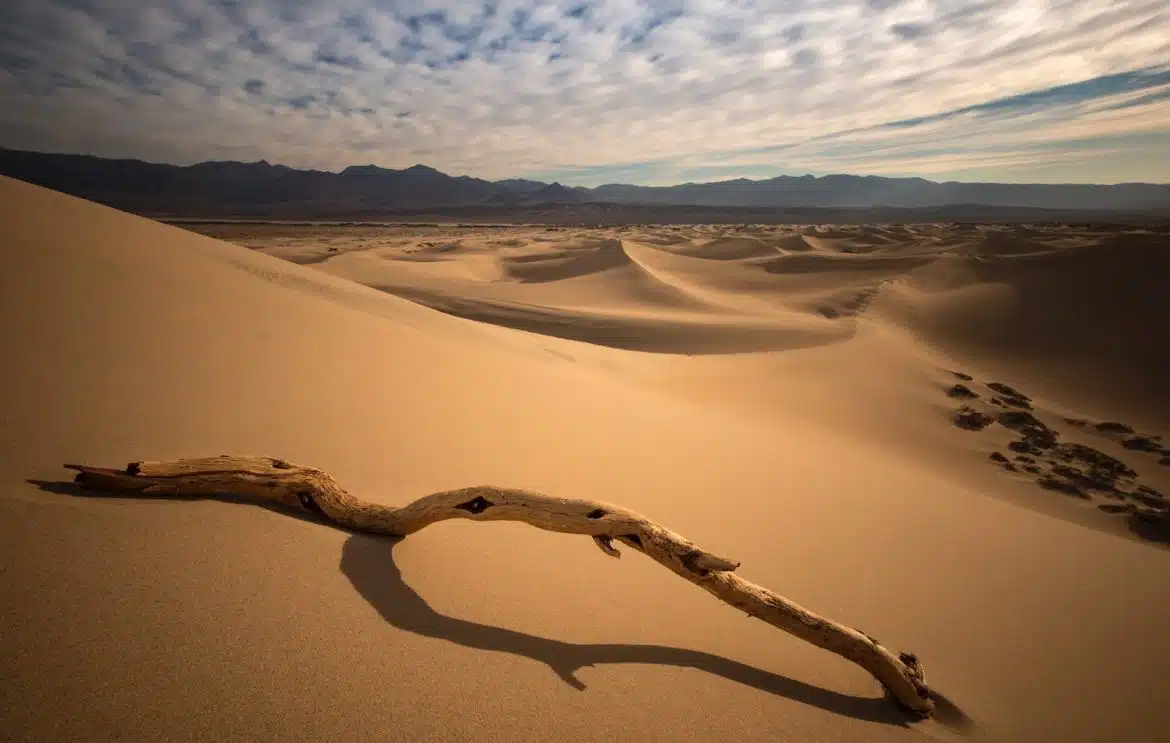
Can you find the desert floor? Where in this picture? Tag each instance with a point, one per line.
(946, 435)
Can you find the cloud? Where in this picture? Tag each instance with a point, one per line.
(599, 90)
(909, 31)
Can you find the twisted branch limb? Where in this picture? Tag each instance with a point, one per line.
(313, 490)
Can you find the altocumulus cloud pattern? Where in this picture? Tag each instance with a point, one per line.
(657, 91)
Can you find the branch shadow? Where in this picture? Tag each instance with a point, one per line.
(369, 564)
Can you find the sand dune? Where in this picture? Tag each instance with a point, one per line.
(729, 248)
(819, 449)
(836, 263)
(792, 244)
(1087, 322)
(567, 264)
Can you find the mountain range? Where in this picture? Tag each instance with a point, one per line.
(263, 190)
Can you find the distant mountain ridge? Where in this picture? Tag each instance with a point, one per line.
(853, 191)
(540, 193)
(259, 188)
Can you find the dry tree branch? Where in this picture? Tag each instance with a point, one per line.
(313, 490)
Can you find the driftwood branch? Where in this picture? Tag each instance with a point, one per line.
(313, 490)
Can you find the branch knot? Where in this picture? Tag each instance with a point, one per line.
(476, 505)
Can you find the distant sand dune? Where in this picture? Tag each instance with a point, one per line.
(660, 332)
(729, 249)
(566, 264)
(826, 263)
(1093, 315)
(824, 244)
(1007, 243)
(791, 244)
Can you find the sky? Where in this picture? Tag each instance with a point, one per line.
(587, 92)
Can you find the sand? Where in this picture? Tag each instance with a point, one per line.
(779, 395)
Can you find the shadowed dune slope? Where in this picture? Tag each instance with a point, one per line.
(1090, 319)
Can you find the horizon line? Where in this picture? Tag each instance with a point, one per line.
(265, 161)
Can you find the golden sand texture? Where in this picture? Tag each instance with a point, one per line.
(779, 395)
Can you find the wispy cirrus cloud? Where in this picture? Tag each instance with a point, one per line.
(591, 91)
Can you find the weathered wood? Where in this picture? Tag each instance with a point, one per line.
(313, 490)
